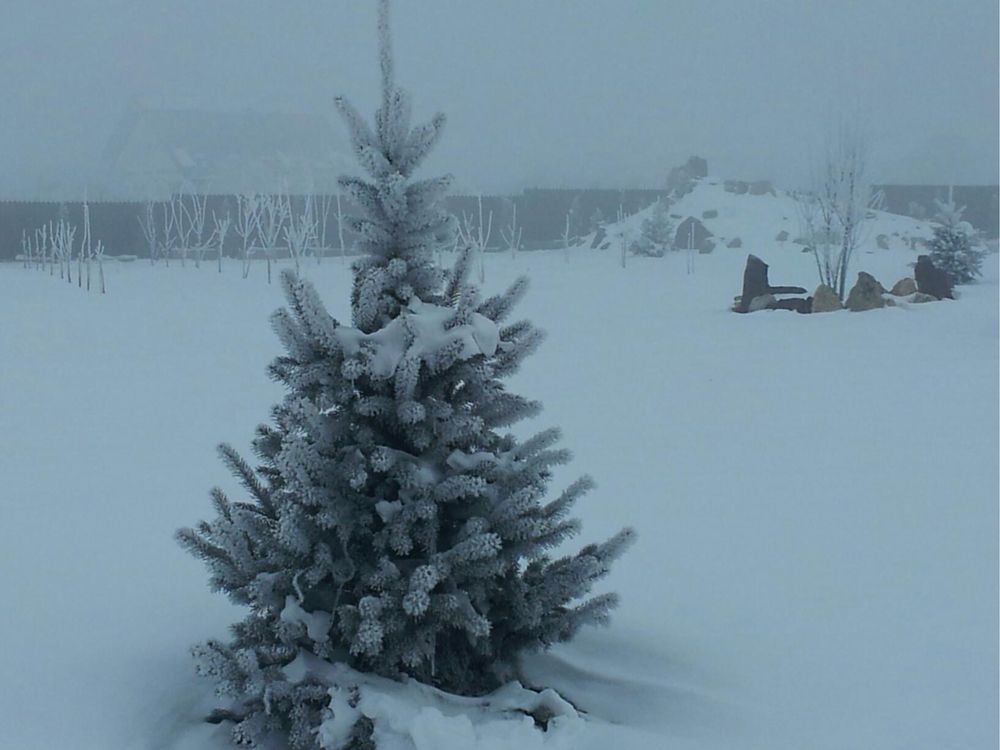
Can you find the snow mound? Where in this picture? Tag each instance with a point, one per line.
(412, 716)
(758, 220)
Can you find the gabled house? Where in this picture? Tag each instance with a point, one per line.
(154, 153)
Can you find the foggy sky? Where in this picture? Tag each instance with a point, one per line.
(583, 93)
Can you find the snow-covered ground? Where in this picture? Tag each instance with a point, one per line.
(757, 220)
(816, 498)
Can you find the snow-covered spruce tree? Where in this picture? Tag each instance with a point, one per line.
(952, 249)
(393, 525)
(657, 233)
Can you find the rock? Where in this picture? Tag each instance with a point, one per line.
(798, 304)
(782, 236)
(825, 300)
(697, 167)
(762, 302)
(691, 234)
(756, 284)
(919, 297)
(599, 236)
(739, 187)
(882, 241)
(931, 279)
(761, 187)
(904, 287)
(706, 247)
(866, 294)
(709, 214)
(735, 242)
(680, 178)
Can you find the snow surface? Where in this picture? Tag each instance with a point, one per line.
(411, 716)
(816, 498)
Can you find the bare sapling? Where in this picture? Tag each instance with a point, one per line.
(169, 231)
(147, 222)
(43, 237)
(247, 226)
(843, 198)
(325, 205)
(182, 230)
(221, 229)
(61, 236)
(815, 227)
(565, 237)
(195, 217)
(340, 229)
(273, 215)
(476, 234)
(511, 234)
(300, 233)
(99, 256)
(85, 246)
(53, 249)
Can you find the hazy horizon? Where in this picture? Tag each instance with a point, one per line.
(560, 93)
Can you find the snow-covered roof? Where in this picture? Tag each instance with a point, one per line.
(261, 149)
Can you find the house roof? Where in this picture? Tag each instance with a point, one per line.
(202, 144)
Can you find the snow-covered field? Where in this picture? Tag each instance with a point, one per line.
(816, 498)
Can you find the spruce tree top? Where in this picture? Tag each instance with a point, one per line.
(401, 222)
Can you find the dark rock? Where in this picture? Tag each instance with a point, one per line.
(697, 166)
(599, 237)
(866, 294)
(706, 247)
(761, 187)
(735, 242)
(739, 187)
(782, 236)
(680, 178)
(798, 304)
(691, 234)
(919, 297)
(931, 279)
(882, 241)
(756, 284)
(709, 214)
